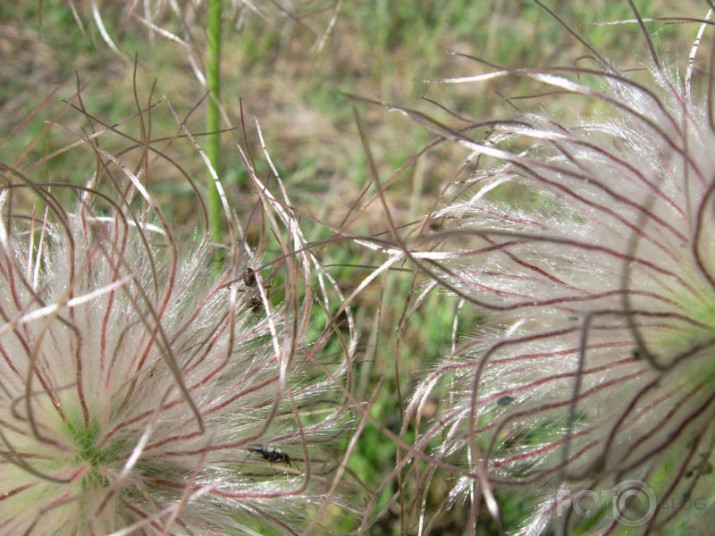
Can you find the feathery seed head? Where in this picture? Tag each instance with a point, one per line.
(592, 381)
(137, 383)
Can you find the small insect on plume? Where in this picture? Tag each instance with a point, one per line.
(271, 454)
(255, 301)
(249, 277)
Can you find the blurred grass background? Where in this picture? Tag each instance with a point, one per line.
(292, 70)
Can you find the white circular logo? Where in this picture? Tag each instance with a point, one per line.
(634, 503)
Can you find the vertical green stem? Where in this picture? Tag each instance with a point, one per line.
(213, 119)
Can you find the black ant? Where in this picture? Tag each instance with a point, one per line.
(271, 454)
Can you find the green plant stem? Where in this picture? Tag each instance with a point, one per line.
(213, 116)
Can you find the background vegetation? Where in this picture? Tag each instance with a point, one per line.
(292, 66)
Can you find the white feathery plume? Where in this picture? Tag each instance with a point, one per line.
(591, 383)
(141, 390)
